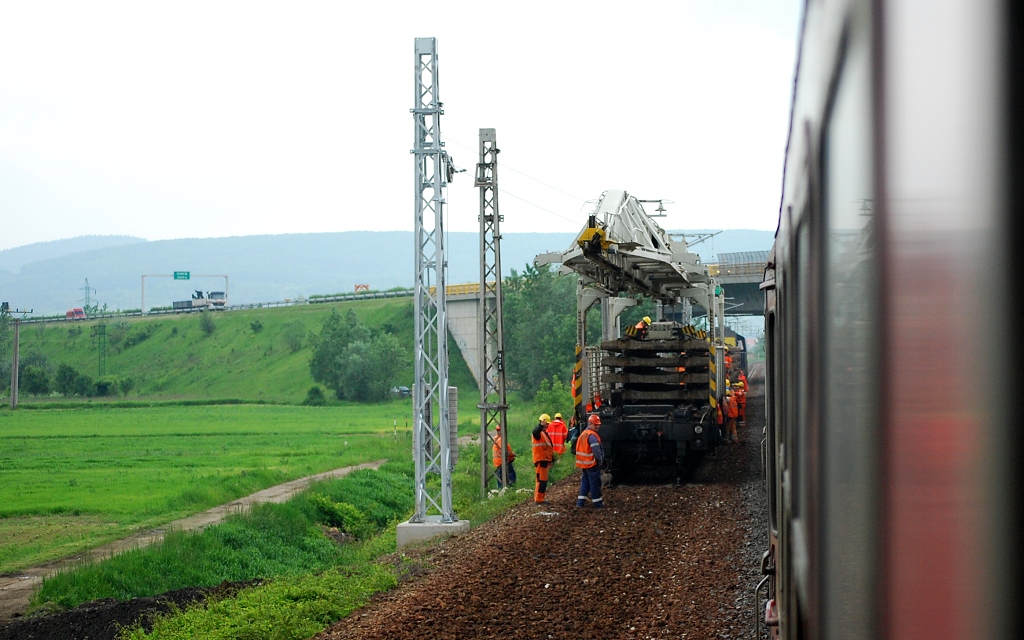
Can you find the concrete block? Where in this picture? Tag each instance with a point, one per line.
(408, 533)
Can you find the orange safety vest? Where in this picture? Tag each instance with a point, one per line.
(543, 449)
(496, 452)
(584, 454)
(558, 432)
(731, 409)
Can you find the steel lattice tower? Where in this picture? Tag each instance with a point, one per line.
(431, 441)
(492, 339)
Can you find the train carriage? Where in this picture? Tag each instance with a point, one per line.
(892, 446)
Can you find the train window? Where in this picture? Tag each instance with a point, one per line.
(850, 361)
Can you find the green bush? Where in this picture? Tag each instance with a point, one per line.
(34, 379)
(256, 325)
(315, 397)
(341, 515)
(553, 397)
(104, 387)
(206, 323)
(125, 385)
(69, 382)
(294, 334)
(138, 336)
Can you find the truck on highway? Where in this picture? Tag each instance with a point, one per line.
(213, 300)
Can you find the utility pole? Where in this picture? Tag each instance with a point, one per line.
(493, 406)
(17, 339)
(431, 421)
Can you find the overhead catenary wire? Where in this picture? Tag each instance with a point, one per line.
(524, 174)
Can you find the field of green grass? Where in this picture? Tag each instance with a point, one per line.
(177, 359)
(72, 479)
(311, 581)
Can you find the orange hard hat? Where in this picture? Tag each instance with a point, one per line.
(594, 419)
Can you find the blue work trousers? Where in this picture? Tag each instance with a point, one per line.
(511, 475)
(590, 484)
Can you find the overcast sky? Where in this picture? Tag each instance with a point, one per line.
(195, 119)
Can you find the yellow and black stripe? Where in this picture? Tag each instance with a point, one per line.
(692, 331)
(713, 383)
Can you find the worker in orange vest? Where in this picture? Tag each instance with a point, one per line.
(558, 432)
(543, 456)
(728, 362)
(496, 459)
(642, 327)
(732, 412)
(741, 401)
(589, 457)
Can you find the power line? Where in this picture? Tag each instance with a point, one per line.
(525, 175)
(557, 215)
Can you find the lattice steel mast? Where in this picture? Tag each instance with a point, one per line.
(431, 444)
(492, 341)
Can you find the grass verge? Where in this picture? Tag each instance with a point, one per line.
(271, 540)
(312, 584)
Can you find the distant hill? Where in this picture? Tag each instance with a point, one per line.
(13, 259)
(262, 268)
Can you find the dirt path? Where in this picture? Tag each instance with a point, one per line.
(659, 562)
(16, 589)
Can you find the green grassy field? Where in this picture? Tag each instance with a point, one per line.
(74, 479)
(177, 359)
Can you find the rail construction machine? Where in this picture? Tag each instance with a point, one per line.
(658, 394)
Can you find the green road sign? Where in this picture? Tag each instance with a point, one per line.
(182, 275)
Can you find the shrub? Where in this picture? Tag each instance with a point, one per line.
(117, 332)
(138, 336)
(84, 385)
(72, 383)
(104, 387)
(315, 397)
(206, 323)
(256, 325)
(65, 379)
(34, 379)
(294, 334)
(553, 397)
(125, 385)
(341, 515)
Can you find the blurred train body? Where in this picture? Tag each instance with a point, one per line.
(892, 309)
